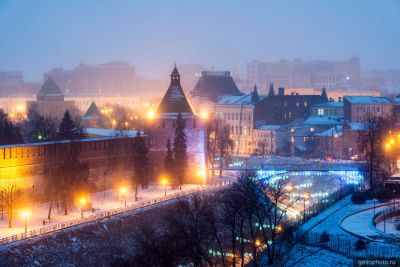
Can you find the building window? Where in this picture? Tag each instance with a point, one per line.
(320, 111)
(297, 104)
(305, 104)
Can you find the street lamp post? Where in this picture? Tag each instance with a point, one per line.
(82, 201)
(123, 194)
(164, 182)
(25, 214)
(33, 198)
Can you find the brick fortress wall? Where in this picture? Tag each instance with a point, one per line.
(28, 161)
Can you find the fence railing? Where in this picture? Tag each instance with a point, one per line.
(345, 246)
(100, 215)
(316, 208)
(392, 211)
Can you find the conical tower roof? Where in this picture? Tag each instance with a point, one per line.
(93, 111)
(324, 95)
(50, 88)
(174, 100)
(271, 89)
(254, 96)
(50, 91)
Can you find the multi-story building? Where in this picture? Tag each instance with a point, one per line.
(238, 114)
(356, 108)
(281, 109)
(115, 78)
(299, 73)
(331, 109)
(212, 85)
(268, 139)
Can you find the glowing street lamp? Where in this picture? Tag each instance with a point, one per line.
(257, 243)
(164, 182)
(289, 188)
(25, 214)
(151, 114)
(202, 173)
(123, 193)
(82, 201)
(278, 228)
(204, 114)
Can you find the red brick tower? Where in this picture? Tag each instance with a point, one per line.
(162, 128)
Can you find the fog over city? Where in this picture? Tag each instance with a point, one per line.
(152, 35)
(200, 133)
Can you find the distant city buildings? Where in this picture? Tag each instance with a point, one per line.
(299, 73)
(12, 84)
(115, 78)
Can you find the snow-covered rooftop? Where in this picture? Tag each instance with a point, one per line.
(329, 105)
(268, 127)
(237, 100)
(368, 100)
(324, 120)
(332, 132)
(110, 132)
(357, 126)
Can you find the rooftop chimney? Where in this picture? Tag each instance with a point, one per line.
(281, 91)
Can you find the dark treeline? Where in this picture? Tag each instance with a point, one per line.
(229, 227)
(10, 133)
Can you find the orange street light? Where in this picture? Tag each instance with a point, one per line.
(83, 202)
(289, 188)
(25, 214)
(391, 141)
(257, 243)
(164, 182)
(278, 228)
(387, 146)
(204, 114)
(151, 114)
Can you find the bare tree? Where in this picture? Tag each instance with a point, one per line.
(371, 142)
(9, 189)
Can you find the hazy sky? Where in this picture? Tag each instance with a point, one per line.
(38, 35)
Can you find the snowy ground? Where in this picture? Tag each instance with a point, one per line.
(355, 223)
(360, 223)
(99, 202)
(311, 256)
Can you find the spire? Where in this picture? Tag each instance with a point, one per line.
(271, 89)
(174, 100)
(50, 88)
(93, 110)
(50, 91)
(324, 95)
(255, 97)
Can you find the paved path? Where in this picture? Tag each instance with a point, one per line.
(359, 224)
